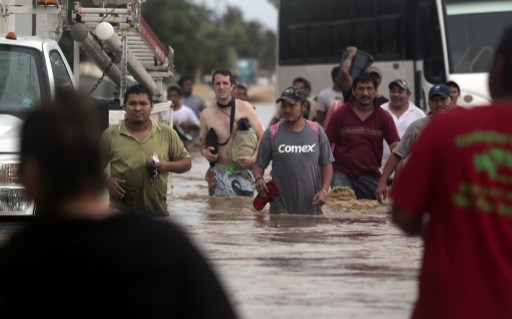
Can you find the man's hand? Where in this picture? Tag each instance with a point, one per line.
(381, 193)
(261, 187)
(115, 187)
(156, 165)
(244, 161)
(352, 51)
(320, 198)
(207, 153)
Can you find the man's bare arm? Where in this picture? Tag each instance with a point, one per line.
(320, 197)
(346, 78)
(389, 168)
(179, 166)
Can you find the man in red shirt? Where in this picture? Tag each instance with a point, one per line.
(456, 191)
(357, 131)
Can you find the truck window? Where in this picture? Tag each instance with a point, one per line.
(21, 79)
(60, 73)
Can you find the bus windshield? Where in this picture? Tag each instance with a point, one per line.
(473, 30)
(20, 80)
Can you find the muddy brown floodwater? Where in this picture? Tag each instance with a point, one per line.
(349, 263)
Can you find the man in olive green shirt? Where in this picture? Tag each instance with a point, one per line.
(134, 182)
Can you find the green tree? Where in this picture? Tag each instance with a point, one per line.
(201, 42)
(179, 23)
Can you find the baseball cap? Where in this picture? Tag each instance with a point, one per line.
(241, 84)
(401, 83)
(440, 89)
(292, 94)
(374, 69)
(260, 201)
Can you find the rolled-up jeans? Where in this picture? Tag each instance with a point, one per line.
(364, 186)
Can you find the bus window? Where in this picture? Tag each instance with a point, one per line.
(317, 43)
(294, 47)
(294, 12)
(473, 29)
(319, 11)
(385, 7)
(389, 39)
(364, 8)
(341, 37)
(430, 42)
(364, 34)
(340, 10)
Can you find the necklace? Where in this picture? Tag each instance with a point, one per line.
(223, 106)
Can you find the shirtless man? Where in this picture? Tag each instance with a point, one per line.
(227, 177)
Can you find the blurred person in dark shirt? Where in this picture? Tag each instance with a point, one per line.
(79, 259)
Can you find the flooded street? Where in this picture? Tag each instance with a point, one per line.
(349, 263)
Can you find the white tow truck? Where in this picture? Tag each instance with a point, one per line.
(32, 65)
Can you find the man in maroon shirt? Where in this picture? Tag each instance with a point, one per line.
(357, 131)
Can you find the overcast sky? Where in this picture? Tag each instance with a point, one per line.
(259, 10)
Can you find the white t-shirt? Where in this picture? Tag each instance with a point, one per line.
(184, 115)
(194, 102)
(326, 97)
(412, 114)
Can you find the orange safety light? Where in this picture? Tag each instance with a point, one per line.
(45, 3)
(11, 35)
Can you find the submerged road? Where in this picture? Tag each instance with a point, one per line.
(349, 263)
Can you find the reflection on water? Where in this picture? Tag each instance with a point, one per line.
(349, 263)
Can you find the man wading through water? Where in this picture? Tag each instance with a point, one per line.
(219, 124)
(301, 158)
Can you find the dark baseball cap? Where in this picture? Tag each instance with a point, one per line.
(292, 94)
(401, 83)
(441, 90)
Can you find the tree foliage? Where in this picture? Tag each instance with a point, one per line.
(202, 41)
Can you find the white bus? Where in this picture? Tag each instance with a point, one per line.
(421, 41)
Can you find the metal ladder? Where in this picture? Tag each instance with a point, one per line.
(138, 40)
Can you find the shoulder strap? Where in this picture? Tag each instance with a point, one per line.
(274, 128)
(232, 103)
(314, 126)
(273, 131)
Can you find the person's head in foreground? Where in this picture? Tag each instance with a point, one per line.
(60, 154)
(500, 73)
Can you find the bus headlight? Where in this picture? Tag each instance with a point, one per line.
(12, 194)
